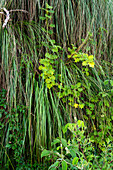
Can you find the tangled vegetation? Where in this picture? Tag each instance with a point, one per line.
(56, 84)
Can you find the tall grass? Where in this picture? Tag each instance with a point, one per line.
(21, 49)
(43, 119)
(73, 20)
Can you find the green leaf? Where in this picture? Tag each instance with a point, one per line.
(78, 85)
(80, 89)
(50, 32)
(81, 106)
(89, 112)
(84, 63)
(55, 50)
(77, 60)
(48, 6)
(52, 25)
(80, 123)
(106, 82)
(48, 16)
(57, 46)
(42, 18)
(54, 165)
(106, 102)
(55, 141)
(51, 11)
(69, 56)
(45, 153)
(85, 117)
(64, 165)
(111, 90)
(75, 161)
(48, 55)
(43, 29)
(73, 152)
(8, 146)
(111, 82)
(64, 129)
(64, 142)
(54, 56)
(52, 41)
(104, 94)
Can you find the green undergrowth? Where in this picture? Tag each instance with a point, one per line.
(47, 86)
(76, 151)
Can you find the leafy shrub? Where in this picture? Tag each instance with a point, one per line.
(78, 151)
(11, 136)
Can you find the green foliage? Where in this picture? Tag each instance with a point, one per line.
(11, 132)
(77, 151)
(84, 58)
(45, 68)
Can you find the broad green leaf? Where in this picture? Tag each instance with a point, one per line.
(76, 105)
(48, 55)
(64, 142)
(75, 161)
(64, 129)
(54, 165)
(111, 82)
(8, 145)
(80, 123)
(69, 49)
(69, 56)
(84, 63)
(78, 85)
(52, 25)
(80, 89)
(57, 46)
(45, 153)
(48, 16)
(73, 152)
(55, 50)
(91, 64)
(48, 6)
(48, 81)
(55, 142)
(42, 18)
(111, 90)
(43, 9)
(54, 56)
(89, 112)
(106, 82)
(76, 60)
(104, 94)
(64, 165)
(50, 32)
(81, 106)
(51, 11)
(106, 102)
(52, 41)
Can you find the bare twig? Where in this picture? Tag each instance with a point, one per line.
(18, 10)
(8, 15)
(7, 18)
